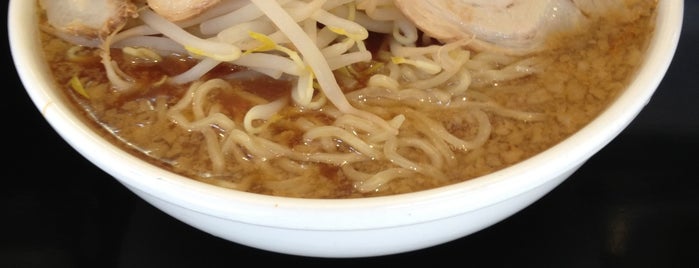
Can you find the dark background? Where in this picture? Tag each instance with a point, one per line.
(634, 204)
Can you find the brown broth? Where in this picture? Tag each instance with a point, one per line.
(587, 73)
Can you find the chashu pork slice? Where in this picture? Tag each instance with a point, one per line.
(178, 10)
(88, 18)
(515, 27)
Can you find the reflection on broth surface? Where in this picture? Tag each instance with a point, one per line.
(419, 114)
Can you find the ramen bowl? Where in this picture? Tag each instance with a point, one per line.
(358, 227)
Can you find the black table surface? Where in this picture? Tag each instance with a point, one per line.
(634, 204)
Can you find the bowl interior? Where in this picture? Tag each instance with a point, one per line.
(555, 163)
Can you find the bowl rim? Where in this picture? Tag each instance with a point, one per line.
(342, 214)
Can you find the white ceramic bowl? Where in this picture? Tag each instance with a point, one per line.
(342, 228)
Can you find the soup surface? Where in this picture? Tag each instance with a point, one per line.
(444, 136)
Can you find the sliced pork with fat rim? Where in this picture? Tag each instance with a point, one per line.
(508, 26)
(88, 18)
(177, 10)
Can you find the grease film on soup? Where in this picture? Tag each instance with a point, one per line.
(337, 98)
